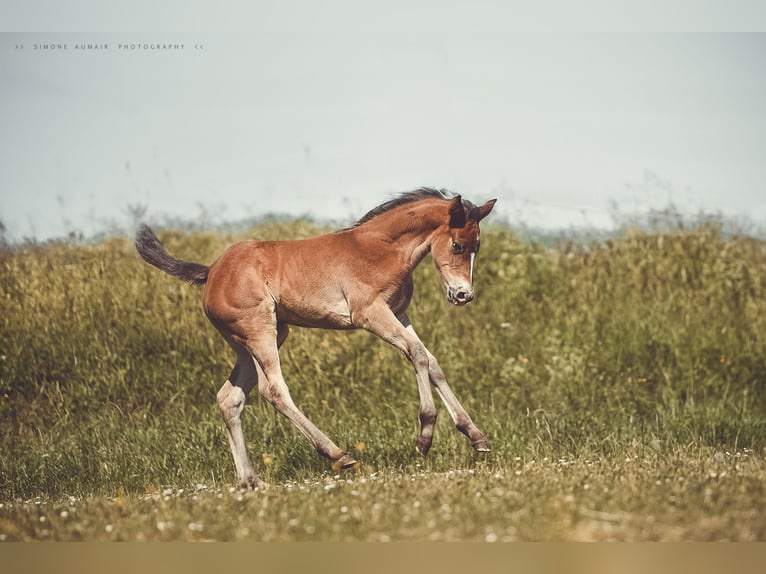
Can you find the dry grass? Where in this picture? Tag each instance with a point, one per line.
(708, 496)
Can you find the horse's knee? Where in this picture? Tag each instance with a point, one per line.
(419, 358)
(273, 395)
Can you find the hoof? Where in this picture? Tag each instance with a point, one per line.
(422, 447)
(481, 446)
(344, 462)
(252, 483)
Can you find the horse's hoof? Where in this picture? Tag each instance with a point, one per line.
(422, 447)
(252, 483)
(481, 446)
(344, 462)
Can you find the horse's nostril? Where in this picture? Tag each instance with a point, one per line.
(464, 296)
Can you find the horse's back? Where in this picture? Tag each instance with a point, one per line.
(302, 281)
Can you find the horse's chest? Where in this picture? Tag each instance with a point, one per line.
(400, 298)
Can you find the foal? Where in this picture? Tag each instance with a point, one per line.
(359, 277)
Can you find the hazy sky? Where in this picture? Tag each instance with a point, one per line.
(315, 116)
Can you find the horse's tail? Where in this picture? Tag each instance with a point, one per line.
(151, 250)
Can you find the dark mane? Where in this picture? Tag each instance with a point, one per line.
(404, 198)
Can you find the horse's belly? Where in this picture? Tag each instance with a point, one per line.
(334, 317)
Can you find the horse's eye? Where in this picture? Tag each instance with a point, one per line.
(456, 247)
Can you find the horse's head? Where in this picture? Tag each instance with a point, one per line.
(455, 245)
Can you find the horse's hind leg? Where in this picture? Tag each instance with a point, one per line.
(272, 386)
(231, 400)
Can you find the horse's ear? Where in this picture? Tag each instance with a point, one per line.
(456, 213)
(485, 209)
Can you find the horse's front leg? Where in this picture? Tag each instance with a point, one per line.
(380, 320)
(459, 415)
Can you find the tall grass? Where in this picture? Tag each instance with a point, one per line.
(644, 345)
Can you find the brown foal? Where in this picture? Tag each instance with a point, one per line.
(359, 277)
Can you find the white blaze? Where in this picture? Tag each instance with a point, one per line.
(473, 255)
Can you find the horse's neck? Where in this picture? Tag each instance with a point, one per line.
(408, 230)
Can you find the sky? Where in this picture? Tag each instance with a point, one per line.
(314, 117)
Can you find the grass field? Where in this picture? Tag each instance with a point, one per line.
(622, 385)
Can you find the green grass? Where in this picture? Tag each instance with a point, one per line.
(634, 366)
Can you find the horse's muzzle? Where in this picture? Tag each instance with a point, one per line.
(459, 295)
